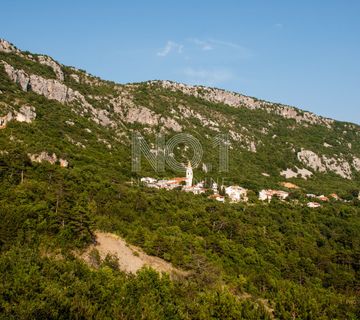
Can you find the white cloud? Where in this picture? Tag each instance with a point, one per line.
(169, 47)
(207, 76)
(204, 45)
(279, 25)
(210, 44)
(213, 44)
(226, 44)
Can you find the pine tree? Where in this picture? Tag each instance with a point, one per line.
(77, 225)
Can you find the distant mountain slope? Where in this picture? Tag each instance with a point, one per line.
(50, 108)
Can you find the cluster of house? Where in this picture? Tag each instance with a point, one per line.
(233, 193)
(282, 195)
(269, 194)
(322, 198)
(186, 183)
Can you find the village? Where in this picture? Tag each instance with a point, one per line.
(232, 193)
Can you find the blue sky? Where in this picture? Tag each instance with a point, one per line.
(302, 53)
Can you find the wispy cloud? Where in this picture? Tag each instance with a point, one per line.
(226, 44)
(169, 47)
(278, 25)
(204, 45)
(207, 76)
(195, 66)
(215, 44)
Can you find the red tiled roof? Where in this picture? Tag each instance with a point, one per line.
(323, 198)
(180, 179)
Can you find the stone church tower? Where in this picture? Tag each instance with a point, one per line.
(189, 175)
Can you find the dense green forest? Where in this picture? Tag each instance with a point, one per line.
(250, 261)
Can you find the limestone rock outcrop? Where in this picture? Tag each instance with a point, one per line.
(146, 116)
(356, 164)
(45, 157)
(323, 164)
(6, 46)
(298, 172)
(312, 160)
(18, 76)
(25, 114)
(49, 88)
(141, 115)
(243, 140)
(171, 124)
(5, 120)
(238, 100)
(205, 121)
(45, 60)
(55, 90)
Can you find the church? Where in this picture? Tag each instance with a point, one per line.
(186, 183)
(189, 175)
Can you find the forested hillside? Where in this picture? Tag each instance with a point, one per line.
(65, 170)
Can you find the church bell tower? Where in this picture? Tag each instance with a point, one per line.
(189, 175)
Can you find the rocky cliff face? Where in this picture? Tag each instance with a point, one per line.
(55, 90)
(237, 100)
(49, 88)
(337, 165)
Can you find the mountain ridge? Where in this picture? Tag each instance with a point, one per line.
(171, 107)
(9, 47)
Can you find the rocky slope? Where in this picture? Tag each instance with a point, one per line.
(52, 109)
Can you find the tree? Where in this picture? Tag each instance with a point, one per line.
(77, 225)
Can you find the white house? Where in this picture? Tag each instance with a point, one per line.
(168, 184)
(236, 193)
(313, 205)
(148, 180)
(269, 194)
(264, 195)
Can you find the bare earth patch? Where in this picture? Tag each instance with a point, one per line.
(131, 258)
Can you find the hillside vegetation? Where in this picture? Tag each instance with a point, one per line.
(65, 171)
